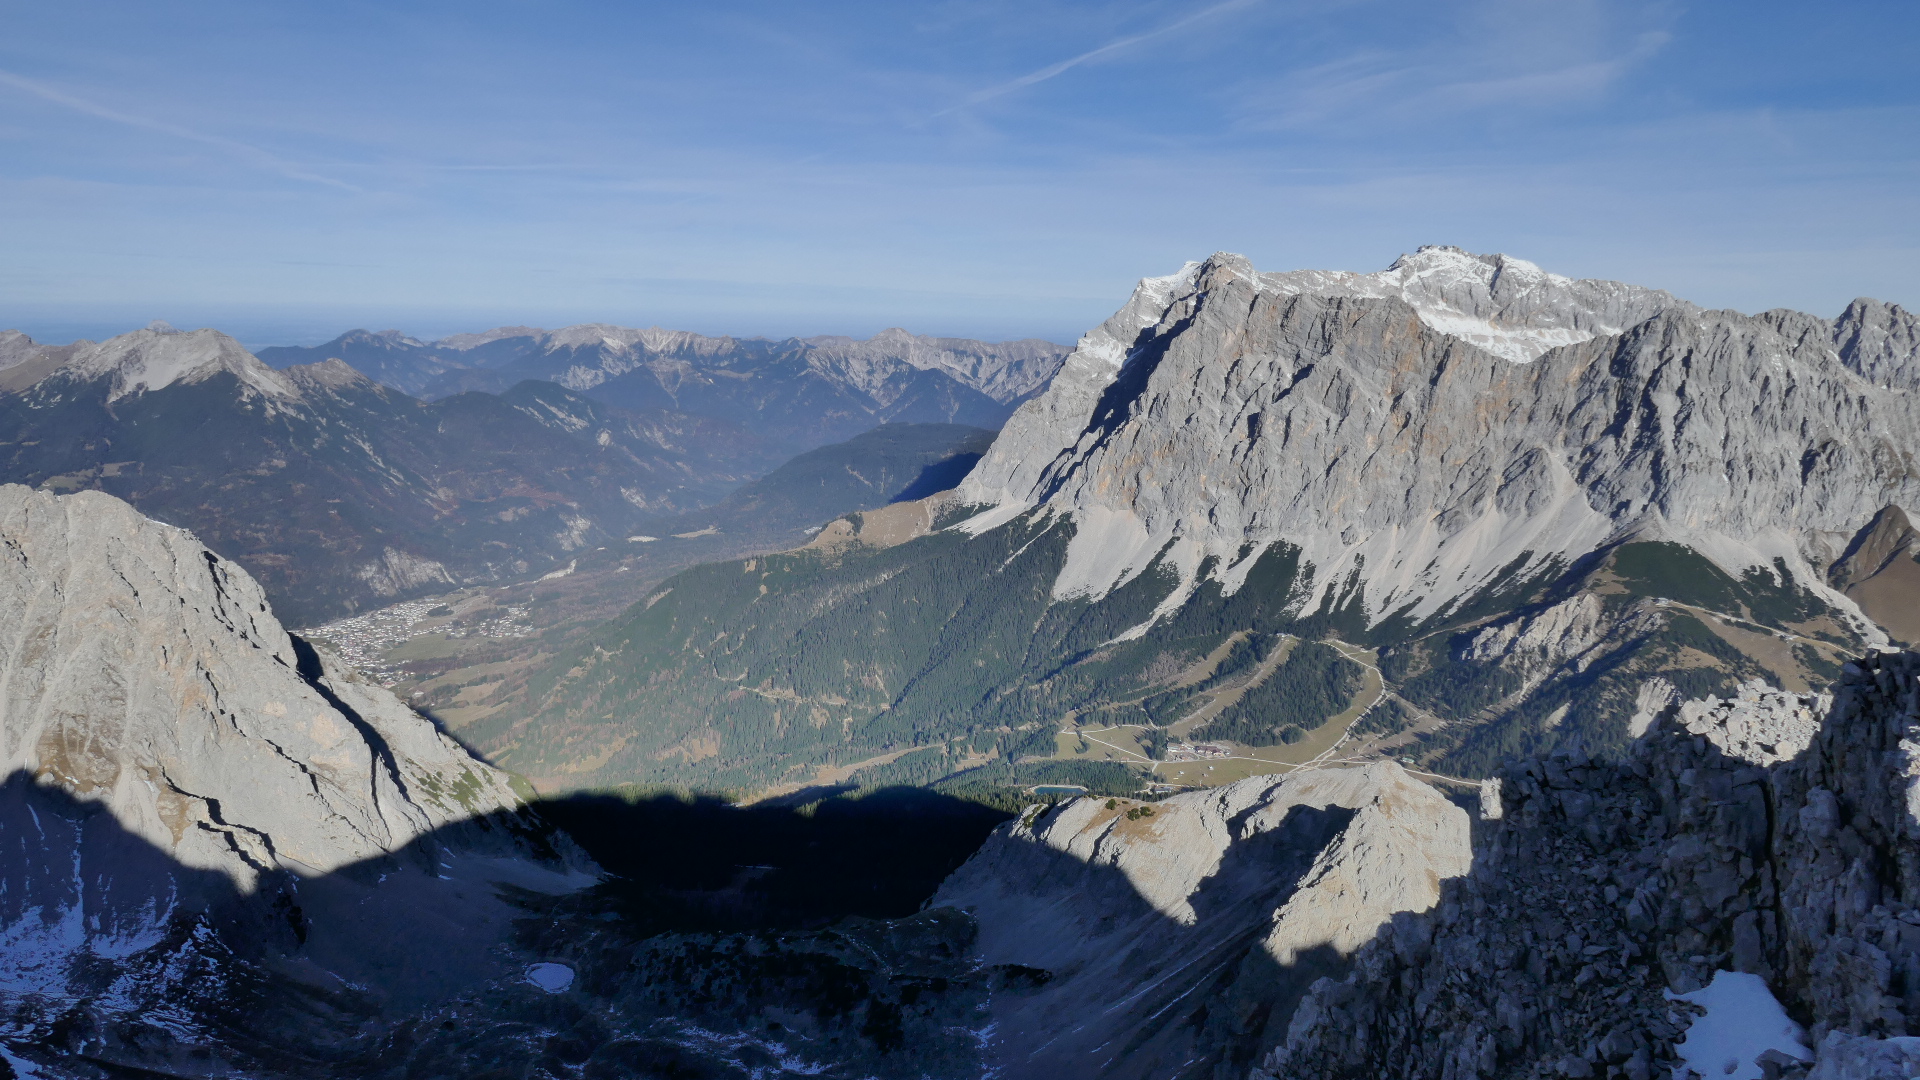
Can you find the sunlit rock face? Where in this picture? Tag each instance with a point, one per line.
(1418, 431)
(1180, 931)
(143, 673)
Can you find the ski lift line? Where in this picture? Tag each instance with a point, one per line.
(1110, 746)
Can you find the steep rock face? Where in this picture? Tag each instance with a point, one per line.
(219, 849)
(1771, 834)
(1881, 341)
(1225, 411)
(1176, 936)
(145, 673)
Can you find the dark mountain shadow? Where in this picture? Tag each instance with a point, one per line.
(785, 930)
(700, 863)
(775, 941)
(938, 477)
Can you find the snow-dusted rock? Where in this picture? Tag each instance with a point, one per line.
(1364, 419)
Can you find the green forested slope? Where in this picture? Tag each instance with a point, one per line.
(946, 653)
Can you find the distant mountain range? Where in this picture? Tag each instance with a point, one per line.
(339, 491)
(796, 392)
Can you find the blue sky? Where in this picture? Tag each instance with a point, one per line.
(994, 169)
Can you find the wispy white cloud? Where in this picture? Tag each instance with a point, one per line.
(1526, 67)
(1060, 68)
(246, 152)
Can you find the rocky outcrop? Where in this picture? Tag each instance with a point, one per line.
(143, 672)
(216, 841)
(1181, 932)
(1881, 341)
(1880, 571)
(1772, 834)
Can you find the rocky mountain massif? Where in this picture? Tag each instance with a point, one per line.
(1540, 509)
(337, 492)
(796, 393)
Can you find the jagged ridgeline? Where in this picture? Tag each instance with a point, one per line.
(1505, 510)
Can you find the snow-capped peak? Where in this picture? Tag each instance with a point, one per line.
(1507, 306)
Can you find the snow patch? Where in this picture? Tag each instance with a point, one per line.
(1743, 1021)
(553, 978)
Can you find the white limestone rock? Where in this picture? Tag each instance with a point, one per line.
(144, 673)
(1362, 419)
(154, 358)
(1761, 725)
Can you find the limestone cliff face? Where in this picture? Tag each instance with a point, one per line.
(1417, 433)
(1772, 834)
(144, 673)
(1173, 933)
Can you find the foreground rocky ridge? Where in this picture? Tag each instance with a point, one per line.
(1772, 834)
(145, 673)
(219, 843)
(223, 855)
(1177, 936)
